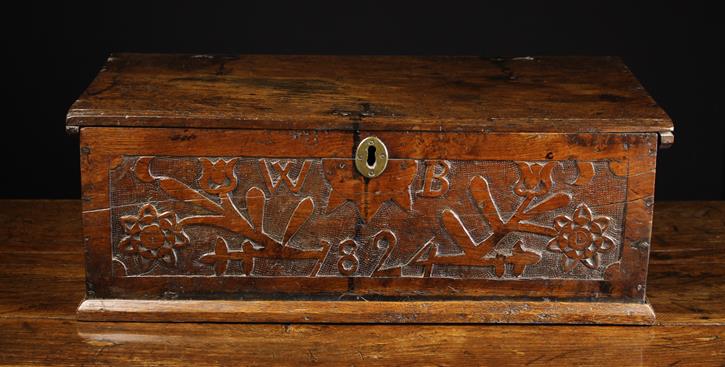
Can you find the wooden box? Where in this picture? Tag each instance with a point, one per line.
(367, 189)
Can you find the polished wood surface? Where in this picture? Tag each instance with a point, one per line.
(42, 283)
(526, 94)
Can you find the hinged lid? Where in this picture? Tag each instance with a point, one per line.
(528, 94)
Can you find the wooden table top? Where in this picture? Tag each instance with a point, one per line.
(42, 276)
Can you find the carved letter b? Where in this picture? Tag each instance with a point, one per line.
(431, 174)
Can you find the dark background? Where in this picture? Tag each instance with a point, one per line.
(53, 51)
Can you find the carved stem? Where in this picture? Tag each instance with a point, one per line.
(232, 220)
(518, 213)
(529, 228)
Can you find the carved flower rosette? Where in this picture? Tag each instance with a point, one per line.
(152, 237)
(581, 238)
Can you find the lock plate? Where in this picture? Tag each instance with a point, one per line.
(371, 157)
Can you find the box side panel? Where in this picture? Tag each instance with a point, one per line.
(629, 275)
(230, 214)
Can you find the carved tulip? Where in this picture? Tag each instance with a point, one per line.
(535, 178)
(218, 176)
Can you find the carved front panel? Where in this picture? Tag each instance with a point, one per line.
(257, 217)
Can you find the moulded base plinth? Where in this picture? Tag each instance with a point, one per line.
(466, 311)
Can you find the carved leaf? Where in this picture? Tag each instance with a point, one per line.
(255, 206)
(185, 193)
(592, 262)
(568, 264)
(499, 265)
(453, 225)
(127, 245)
(481, 193)
(207, 259)
(220, 267)
(518, 269)
(458, 232)
(586, 173)
(141, 168)
(299, 217)
(220, 248)
(167, 256)
(552, 202)
(521, 258)
(130, 224)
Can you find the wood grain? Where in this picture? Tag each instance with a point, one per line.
(687, 271)
(38, 297)
(59, 343)
(540, 94)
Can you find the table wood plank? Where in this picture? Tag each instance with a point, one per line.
(42, 282)
(686, 282)
(54, 342)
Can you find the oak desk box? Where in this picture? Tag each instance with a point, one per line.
(367, 189)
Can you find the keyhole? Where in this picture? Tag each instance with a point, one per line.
(371, 156)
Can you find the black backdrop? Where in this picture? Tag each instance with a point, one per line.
(53, 51)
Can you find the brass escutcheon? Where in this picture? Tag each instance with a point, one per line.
(371, 157)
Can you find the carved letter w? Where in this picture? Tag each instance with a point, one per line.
(283, 172)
